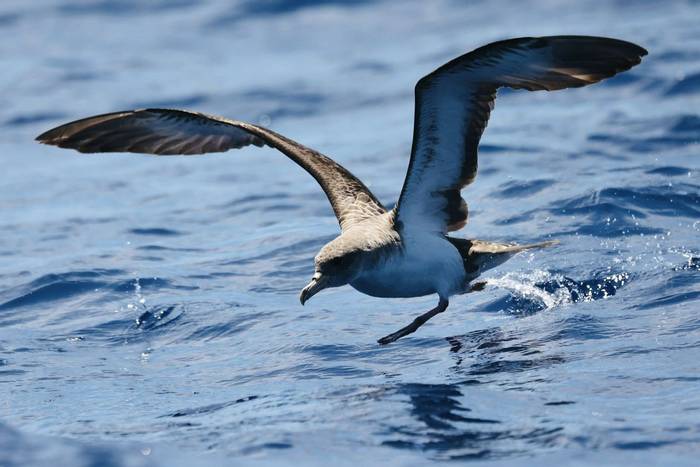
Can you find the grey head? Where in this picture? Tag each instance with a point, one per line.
(343, 259)
(338, 263)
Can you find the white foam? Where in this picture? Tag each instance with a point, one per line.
(524, 285)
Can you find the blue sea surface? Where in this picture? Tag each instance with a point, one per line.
(149, 310)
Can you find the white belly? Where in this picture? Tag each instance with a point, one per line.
(426, 265)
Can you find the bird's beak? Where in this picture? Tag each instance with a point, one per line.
(318, 283)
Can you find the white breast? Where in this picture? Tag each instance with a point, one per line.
(426, 265)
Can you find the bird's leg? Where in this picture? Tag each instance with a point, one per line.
(418, 322)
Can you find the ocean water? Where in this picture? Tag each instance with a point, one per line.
(149, 309)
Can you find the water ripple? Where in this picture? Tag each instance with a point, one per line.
(148, 300)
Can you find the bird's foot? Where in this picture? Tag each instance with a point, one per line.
(477, 287)
(418, 322)
(394, 336)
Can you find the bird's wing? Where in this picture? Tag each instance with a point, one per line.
(453, 104)
(179, 132)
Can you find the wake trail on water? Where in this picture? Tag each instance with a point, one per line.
(541, 290)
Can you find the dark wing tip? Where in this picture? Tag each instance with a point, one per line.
(577, 61)
(594, 41)
(641, 51)
(600, 48)
(630, 48)
(60, 134)
(51, 136)
(153, 131)
(601, 57)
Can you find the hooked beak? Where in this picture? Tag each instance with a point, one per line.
(318, 283)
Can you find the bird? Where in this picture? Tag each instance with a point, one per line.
(405, 251)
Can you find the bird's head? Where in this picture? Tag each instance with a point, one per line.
(335, 265)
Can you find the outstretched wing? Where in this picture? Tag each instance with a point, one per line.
(179, 132)
(453, 104)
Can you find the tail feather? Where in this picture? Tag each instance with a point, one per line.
(481, 247)
(479, 256)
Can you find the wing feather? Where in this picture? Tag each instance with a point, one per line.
(454, 102)
(179, 132)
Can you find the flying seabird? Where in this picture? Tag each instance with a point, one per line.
(404, 251)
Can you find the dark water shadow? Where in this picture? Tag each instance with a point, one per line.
(251, 9)
(518, 189)
(680, 287)
(669, 171)
(493, 351)
(159, 316)
(653, 135)
(687, 85)
(618, 212)
(207, 409)
(95, 292)
(58, 286)
(122, 7)
(136, 325)
(445, 428)
(155, 231)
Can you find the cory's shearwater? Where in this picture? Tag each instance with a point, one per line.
(405, 251)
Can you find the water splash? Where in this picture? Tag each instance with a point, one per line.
(528, 286)
(140, 300)
(542, 290)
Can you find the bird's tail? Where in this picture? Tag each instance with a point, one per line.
(479, 255)
(479, 246)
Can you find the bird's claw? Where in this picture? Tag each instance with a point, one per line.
(393, 337)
